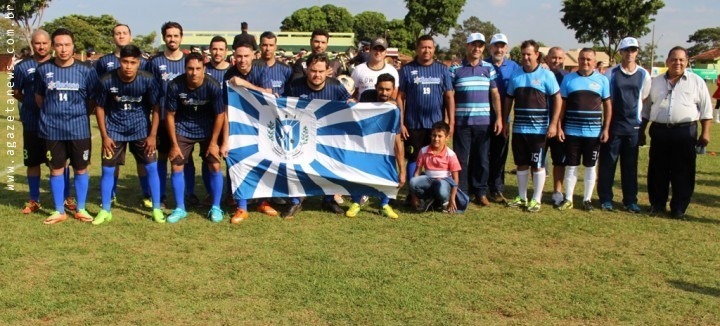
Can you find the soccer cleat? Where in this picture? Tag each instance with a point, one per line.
(607, 206)
(158, 216)
(266, 209)
(633, 208)
(147, 202)
(517, 202)
(215, 214)
(498, 197)
(239, 216)
(557, 199)
(338, 199)
(70, 203)
(83, 216)
(291, 211)
(31, 206)
(333, 207)
(425, 204)
(176, 215)
(55, 218)
(565, 205)
(102, 217)
(533, 206)
(353, 210)
(587, 206)
(388, 211)
(364, 200)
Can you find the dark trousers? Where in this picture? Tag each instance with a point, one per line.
(672, 161)
(472, 145)
(624, 147)
(498, 156)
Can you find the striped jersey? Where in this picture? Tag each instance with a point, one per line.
(65, 92)
(24, 80)
(257, 76)
(530, 91)
(333, 90)
(583, 96)
(503, 73)
(195, 109)
(165, 70)
(424, 88)
(279, 74)
(110, 62)
(627, 89)
(217, 74)
(472, 86)
(127, 105)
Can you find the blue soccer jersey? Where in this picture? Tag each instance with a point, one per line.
(424, 88)
(165, 70)
(333, 90)
(257, 76)
(472, 93)
(110, 62)
(24, 80)
(583, 96)
(195, 109)
(530, 91)
(127, 105)
(65, 92)
(279, 74)
(217, 74)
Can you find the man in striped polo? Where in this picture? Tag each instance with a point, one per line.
(126, 98)
(425, 97)
(475, 88)
(63, 90)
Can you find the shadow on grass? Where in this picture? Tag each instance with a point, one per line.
(689, 287)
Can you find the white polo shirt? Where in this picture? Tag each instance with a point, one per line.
(687, 101)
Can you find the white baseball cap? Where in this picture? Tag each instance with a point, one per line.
(629, 42)
(475, 37)
(499, 37)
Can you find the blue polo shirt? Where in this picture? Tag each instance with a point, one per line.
(503, 73)
(583, 96)
(472, 86)
(424, 88)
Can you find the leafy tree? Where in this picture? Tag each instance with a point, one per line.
(9, 38)
(328, 17)
(602, 22)
(645, 53)
(90, 31)
(432, 17)
(25, 13)
(368, 25)
(469, 26)
(704, 39)
(146, 42)
(400, 37)
(516, 53)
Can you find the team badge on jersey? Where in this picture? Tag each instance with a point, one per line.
(595, 86)
(49, 75)
(114, 90)
(110, 65)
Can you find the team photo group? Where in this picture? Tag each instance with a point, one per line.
(436, 136)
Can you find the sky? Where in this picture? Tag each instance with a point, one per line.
(518, 19)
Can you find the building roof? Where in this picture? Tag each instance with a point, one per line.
(712, 55)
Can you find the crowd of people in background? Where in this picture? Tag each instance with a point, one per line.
(161, 106)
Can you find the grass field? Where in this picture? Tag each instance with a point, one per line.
(488, 266)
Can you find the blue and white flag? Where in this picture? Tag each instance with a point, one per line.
(291, 147)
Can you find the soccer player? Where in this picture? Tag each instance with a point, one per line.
(316, 85)
(165, 67)
(196, 114)
(475, 88)
(554, 61)
(109, 62)
(63, 90)
(245, 74)
(366, 74)
(528, 89)
(586, 113)
(24, 91)
(425, 97)
(126, 97)
(278, 72)
(318, 44)
(384, 89)
(216, 68)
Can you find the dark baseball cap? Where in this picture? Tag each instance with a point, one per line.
(379, 42)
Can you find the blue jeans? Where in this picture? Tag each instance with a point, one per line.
(472, 146)
(624, 147)
(426, 187)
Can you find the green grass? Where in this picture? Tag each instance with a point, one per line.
(489, 266)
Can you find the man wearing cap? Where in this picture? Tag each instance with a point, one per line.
(554, 60)
(629, 86)
(677, 101)
(504, 68)
(475, 88)
(425, 97)
(365, 75)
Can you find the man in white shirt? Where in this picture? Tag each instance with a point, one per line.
(365, 75)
